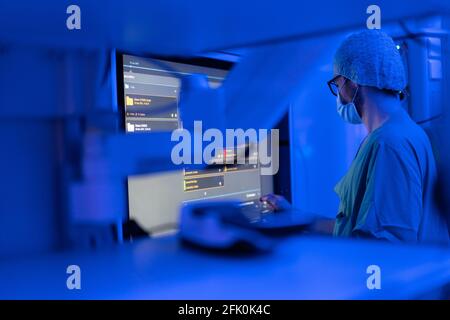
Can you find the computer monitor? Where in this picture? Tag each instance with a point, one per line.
(148, 91)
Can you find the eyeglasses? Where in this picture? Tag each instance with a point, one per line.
(334, 88)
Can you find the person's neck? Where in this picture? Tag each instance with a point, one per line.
(378, 111)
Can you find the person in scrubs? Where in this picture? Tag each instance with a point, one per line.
(387, 193)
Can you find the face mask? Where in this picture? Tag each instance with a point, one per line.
(348, 111)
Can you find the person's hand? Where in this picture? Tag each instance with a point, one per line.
(276, 202)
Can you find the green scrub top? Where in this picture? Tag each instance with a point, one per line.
(388, 191)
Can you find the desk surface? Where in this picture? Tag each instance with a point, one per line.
(301, 267)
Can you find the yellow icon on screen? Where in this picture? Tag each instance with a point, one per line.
(129, 101)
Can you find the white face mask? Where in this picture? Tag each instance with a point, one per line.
(348, 111)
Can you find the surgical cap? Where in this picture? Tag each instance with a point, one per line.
(371, 58)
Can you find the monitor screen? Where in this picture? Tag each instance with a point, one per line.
(149, 101)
